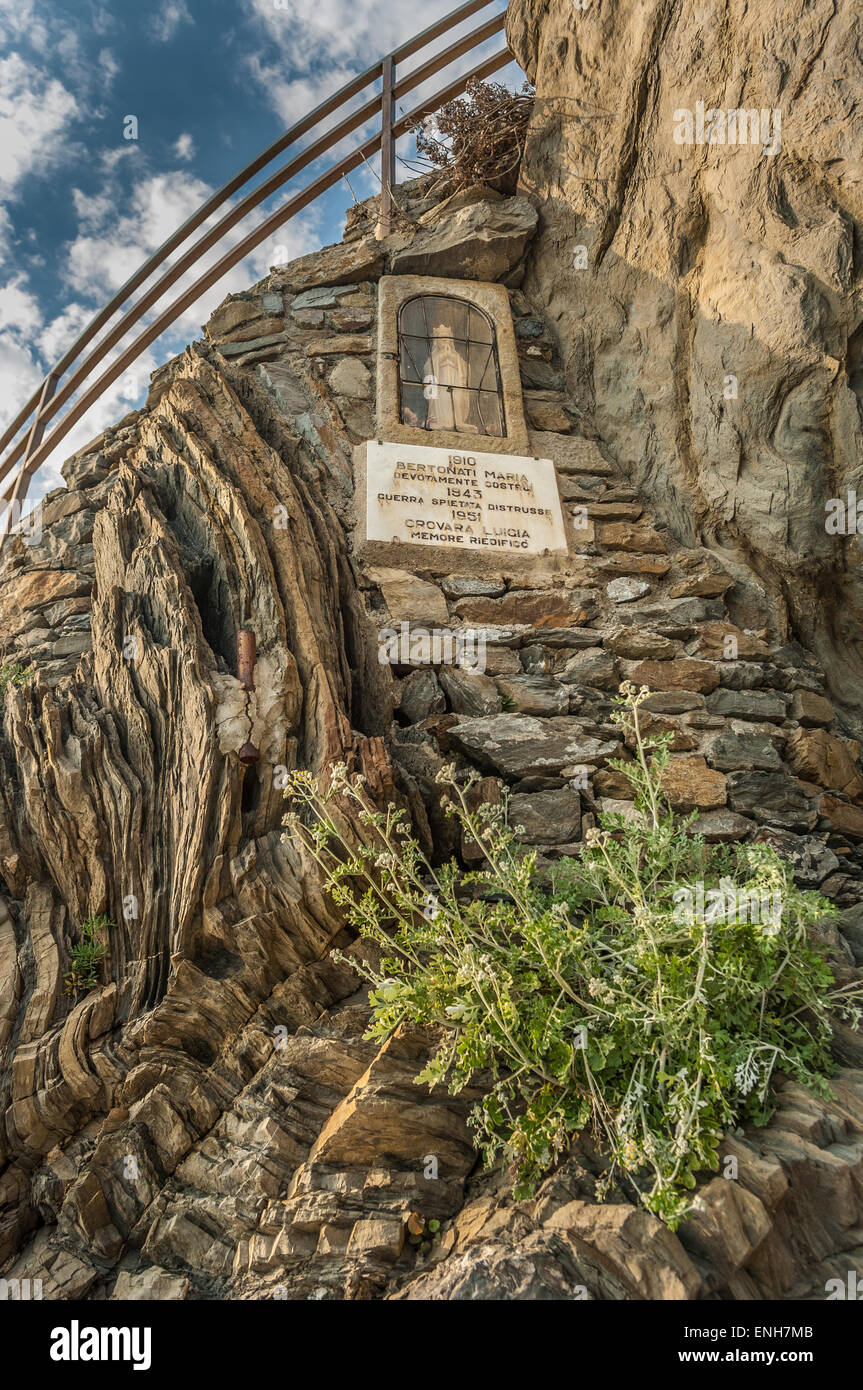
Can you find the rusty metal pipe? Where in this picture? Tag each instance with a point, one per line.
(246, 654)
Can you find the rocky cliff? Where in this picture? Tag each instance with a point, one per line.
(704, 278)
(210, 1121)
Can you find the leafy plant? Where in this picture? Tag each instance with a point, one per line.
(422, 1233)
(14, 673)
(86, 955)
(605, 1001)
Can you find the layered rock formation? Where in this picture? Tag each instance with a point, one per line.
(707, 295)
(210, 1121)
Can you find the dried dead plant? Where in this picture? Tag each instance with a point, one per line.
(476, 139)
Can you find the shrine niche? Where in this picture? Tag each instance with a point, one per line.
(448, 372)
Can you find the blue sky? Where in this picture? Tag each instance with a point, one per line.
(210, 83)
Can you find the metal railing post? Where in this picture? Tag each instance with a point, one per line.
(388, 146)
(18, 493)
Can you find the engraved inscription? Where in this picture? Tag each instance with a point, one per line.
(472, 501)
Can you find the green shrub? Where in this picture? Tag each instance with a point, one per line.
(605, 1000)
(86, 955)
(14, 673)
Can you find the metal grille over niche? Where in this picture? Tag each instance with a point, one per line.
(449, 373)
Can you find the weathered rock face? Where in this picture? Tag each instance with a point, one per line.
(785, 1213)
(211, 1120)
(124, 795)
(706, 296)
(483, 242)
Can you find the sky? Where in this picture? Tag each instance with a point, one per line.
(87, 194)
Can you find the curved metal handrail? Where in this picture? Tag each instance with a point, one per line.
(35, 446)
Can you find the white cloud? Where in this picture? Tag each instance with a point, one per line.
(103, 20)
(20, 374)
(111, 247)
(293, 97)
(5, 234)
(109, 159)
(18, 308)
(338, 33)
(67, 48)
(18, 21)
(98, 261)
(57, 335)
(184, 147)
(108, 65)
(93, 208)
(315, 48)
(35, 113)
(88, 75)
(170, 17)
(107, 250)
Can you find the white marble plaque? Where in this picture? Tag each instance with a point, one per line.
(472, 502)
